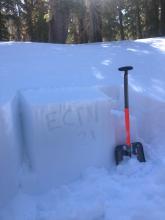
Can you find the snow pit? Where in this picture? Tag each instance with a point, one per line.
(66, 131)
(10, 154)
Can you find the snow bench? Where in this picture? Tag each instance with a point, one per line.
(66, 131)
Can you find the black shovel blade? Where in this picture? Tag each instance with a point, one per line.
(121, 151)
(125, 150)
(137, 149)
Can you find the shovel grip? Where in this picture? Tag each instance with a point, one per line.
(125, 69)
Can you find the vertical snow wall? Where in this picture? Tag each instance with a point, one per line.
(10, 150)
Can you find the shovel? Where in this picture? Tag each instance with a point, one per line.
(128, 149)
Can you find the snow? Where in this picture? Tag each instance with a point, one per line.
(130, 191)
(36, 79)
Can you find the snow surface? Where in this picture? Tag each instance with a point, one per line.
(29, 74)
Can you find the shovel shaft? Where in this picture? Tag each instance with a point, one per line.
(126, 102)
(127, 120)
(127, 127)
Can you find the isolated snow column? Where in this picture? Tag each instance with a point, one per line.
(66, 131)
(10, 153)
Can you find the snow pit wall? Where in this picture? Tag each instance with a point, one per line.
(117, 99)
(119, 126)
(147, 115)
(10, 150)
(78, 122)
(66, 131)
(150, 113)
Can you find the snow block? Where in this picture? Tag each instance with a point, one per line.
(10, 153)
(66, 131)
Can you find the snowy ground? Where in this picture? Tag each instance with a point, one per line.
(131, 191)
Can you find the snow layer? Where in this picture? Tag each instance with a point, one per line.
(131, 191)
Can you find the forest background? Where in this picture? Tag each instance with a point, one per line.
(80, 21)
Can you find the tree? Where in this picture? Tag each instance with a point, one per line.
(40, 25)
(138, 6)
(78, 27)
(132, 19)
(151, 8)
(95, 20)
(59, 20)
(110, 21)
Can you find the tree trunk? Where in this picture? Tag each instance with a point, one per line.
(156, 15)
(29, 20)
(83, 36)
(152, 18)
(138, 21)
(122, 35)
(59, 23)
(18, 23)
(95, 21)
(162, 18)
